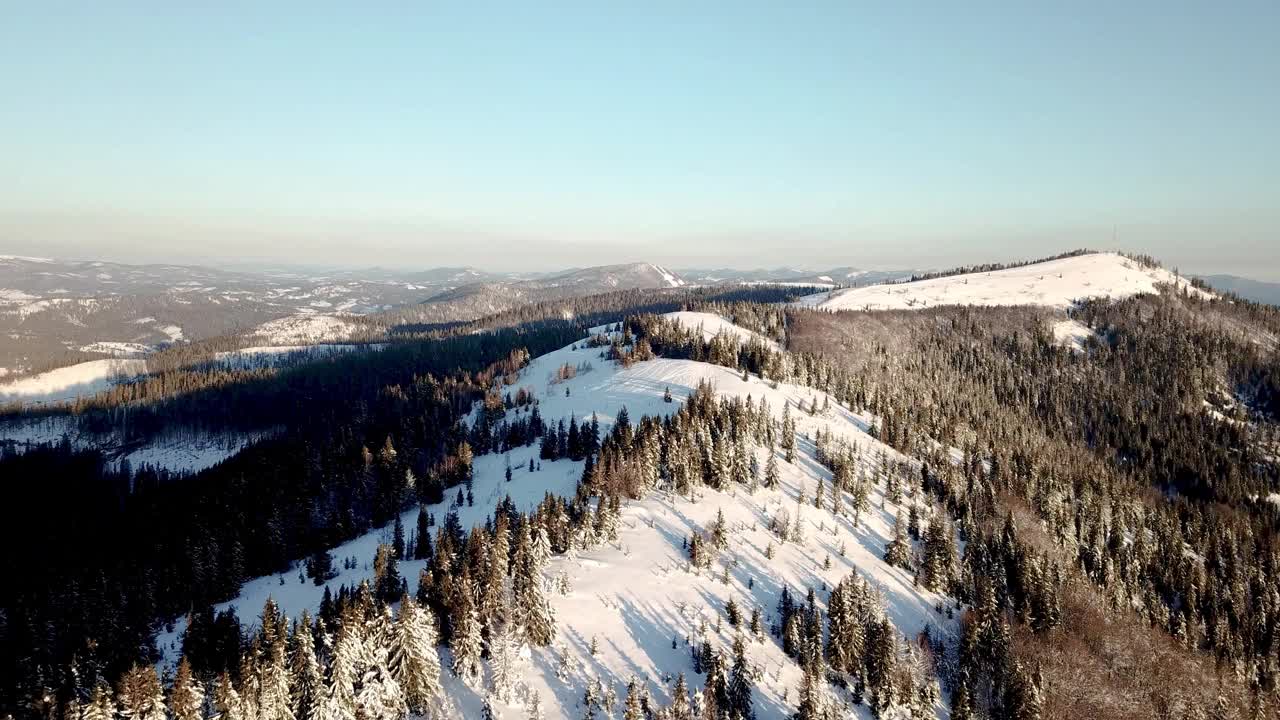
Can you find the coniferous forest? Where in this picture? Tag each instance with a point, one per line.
(1102, 519)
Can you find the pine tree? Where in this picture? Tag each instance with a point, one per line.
(226, 701)
(771, 470)
(275, 695)
(533, 707)
(186, 699)
(397, 538)
(740, 704)
(339, 701)
(308, 682)
(466, 642)
(679, 708)
(140, 696)
(502, 659)
(632, 709)
(412, 657)
(534, 611)
(898, 552)
(101, 706)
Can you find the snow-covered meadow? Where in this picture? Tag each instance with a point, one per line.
(1055, 283)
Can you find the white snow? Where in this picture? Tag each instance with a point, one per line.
(10, 296)
(712, 325)
(67, 383)
(667, 276)
(173, 331)
(305, 328)
(636, 596)
(1056, 283)
(186, 451)
(1071, 333)
(271, 355)
(119, 349)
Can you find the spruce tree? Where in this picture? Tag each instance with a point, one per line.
(466, 641)
(186, 699)
(898, 552)
(740, 704)
(412, 657)
(308, 682)
(226, 700)
(140, 696)
(101, 705)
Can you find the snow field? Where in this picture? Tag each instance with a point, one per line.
(712, 324)
(68, 383)
(1055, 283)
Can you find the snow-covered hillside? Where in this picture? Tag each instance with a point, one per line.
(712, 324)
(185, 451)
(1056, 283)
(629, 609)
(67, 383)
(305, 328)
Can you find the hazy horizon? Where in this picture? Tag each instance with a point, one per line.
(734, 135)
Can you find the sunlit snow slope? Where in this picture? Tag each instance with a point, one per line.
(1055, 283)
(67, 383)
(638, 597)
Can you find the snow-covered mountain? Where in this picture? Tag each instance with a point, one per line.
(56, 312)
(1057, 283)
(844, 275)
(475, 300)
(634, 608)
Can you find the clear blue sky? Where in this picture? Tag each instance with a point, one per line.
(540, 134)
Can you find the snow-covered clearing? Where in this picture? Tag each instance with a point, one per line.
(635, 598)
(712, 325)
(186, 452)
(68, 383)
(304, 328)
(273, 355)
(117, 349)
(1071, 333)
(1056, 283)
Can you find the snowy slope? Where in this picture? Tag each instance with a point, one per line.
(305, 328)
(275, 355)
(635, 597)
(1071, 333)
(1056, 283)
(68, 383)
(712, 324)
(187, 451)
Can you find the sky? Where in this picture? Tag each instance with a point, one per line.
(551, 134)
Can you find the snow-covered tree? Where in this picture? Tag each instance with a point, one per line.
(898, 551)
(101, 705)
(275, 695)
(141, 697)
(226, 700)
(466, 641)
(740, 704)
(308, 682)
(413, 659)
(679, 709)
(186, 699)
(503, 654)
(339, 701)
